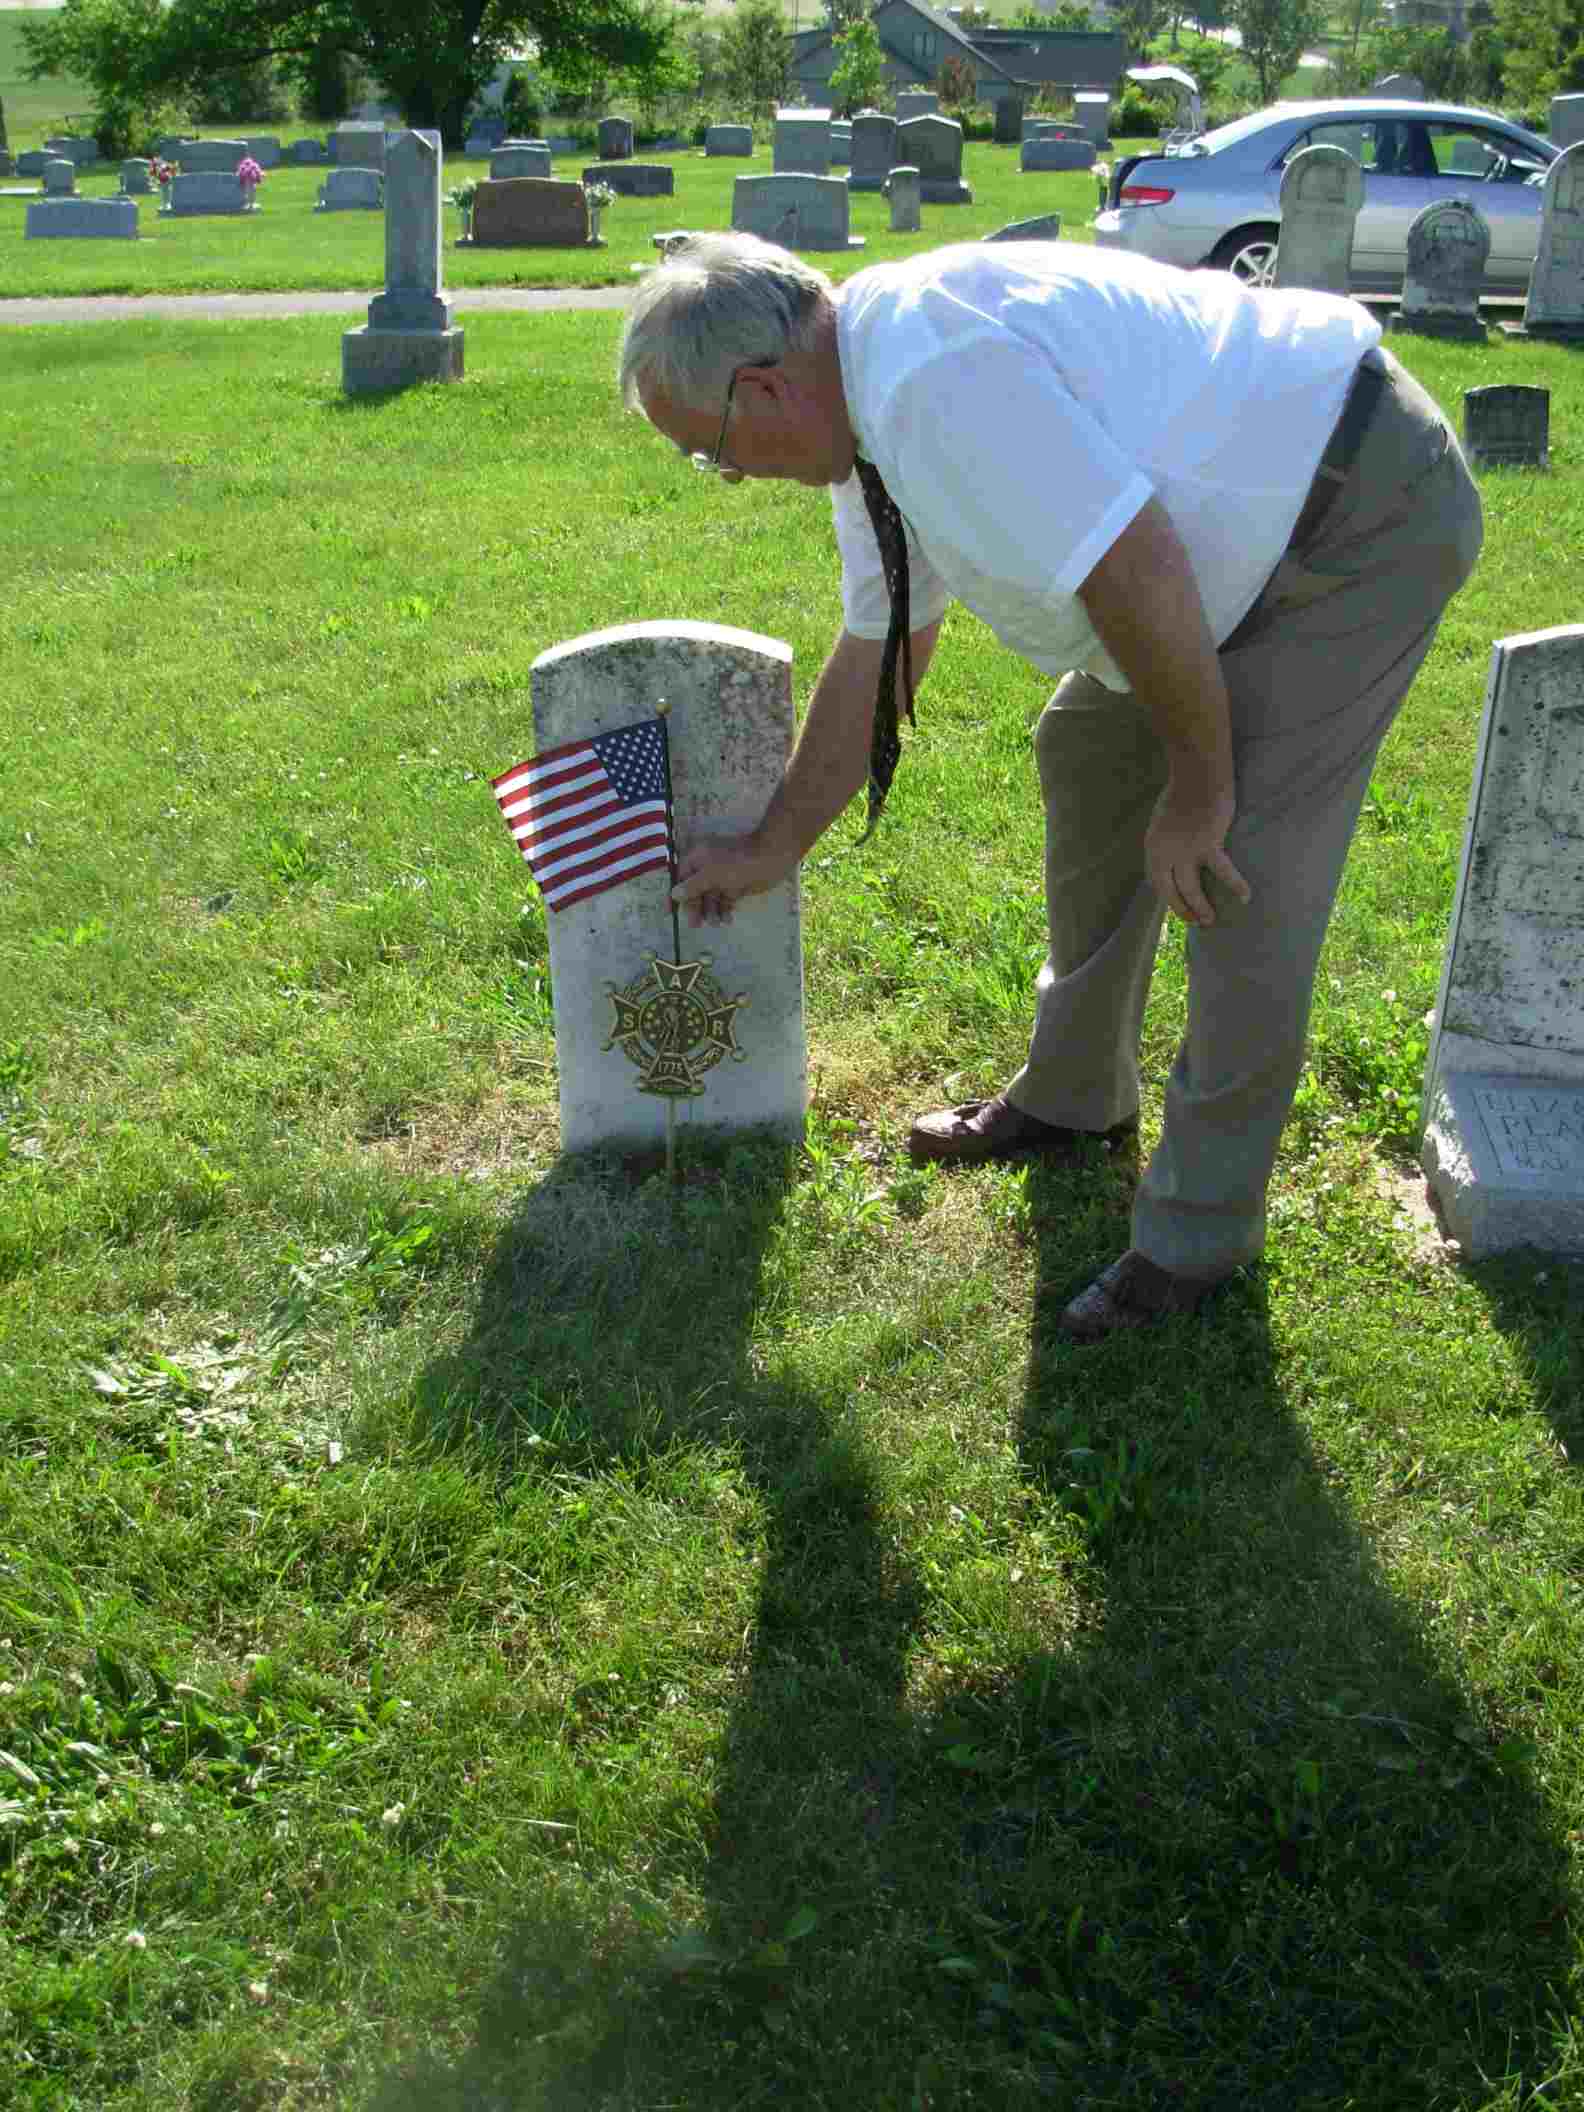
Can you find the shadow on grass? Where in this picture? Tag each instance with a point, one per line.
(1537, 1302)
(1229, 1839)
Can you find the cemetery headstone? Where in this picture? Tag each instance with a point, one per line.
(1008, 120)
(1093, 113)
(902, 188)
(204, 191)
(485, 134)
(306, 153)
(30, 162)
(137, 178)
(81, 150)
(1044, 227)
(351, 191)
(59, 177)
(359, 143)
(873, 150)
(728, 140)
(1504, 1084)
(916, 102)
(635, 179)
(265, 149)
(615, 138)
(798, 212)
(1039, 156)
(1448, 244)
(203, 156)
(521, 161)
(530, 212)
(171, 145)
(1567, 120)
(1322, 189)
(729, 694)
(934, 146)
(409, 335)
(94, 219)
(1508, 423)
(1555, 307)
(1402, 87)
(841, 143)
(802, 144)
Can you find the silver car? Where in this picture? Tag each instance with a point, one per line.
(1215, 201)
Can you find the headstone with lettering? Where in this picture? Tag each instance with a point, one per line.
(1448, 244)
(1322, 189)
(728, 140)
(1504, 1086)
(916, 102)
(802, 145)
(1555, 307)
(521, 160)
(634, 179)
(409, 335)
(1507, 425)
(902, 188)
(729, 694)
(59, 177)
(205, 191)
(1092, 110)
(351, 191)
(934, 146)
(81, 219)
(1008, 120)
(200, 157)
(137, 178)
(530, 212)
(1567, 120)
(873, 150)
(1039, 156)
(359, 143)
(615, 138)
(798, 212)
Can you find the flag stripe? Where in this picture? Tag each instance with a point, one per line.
(598, 818)
(602, 825)
(625, 869)
(591, 853)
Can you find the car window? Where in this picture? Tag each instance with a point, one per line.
(1229, 135)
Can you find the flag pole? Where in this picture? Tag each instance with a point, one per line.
(663, 714)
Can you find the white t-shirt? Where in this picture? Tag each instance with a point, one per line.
(1023, 401)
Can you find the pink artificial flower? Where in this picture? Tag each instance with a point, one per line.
(249, 174)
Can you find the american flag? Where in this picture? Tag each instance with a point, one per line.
(591, 813)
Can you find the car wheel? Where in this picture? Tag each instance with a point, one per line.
(1250, 255)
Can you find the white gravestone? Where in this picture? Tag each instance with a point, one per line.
(1504, 1085)
(1448, 245)
(1567, 120)
(798, 212)
(1322, 189)
(902, 188)
(730, 722)
(409, 335)
(1555, 305)
(802, 144)
(351, 191)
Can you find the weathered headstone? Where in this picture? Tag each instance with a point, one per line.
(934, 146)
(1555, 307)
(409, 335)
(798, 212)
(615, 138)
(634, 179)
(1448, 244)
(170, 146)
(351, 191)
(728, 140)
(211, 156)
(308, 153)
(802, 143)
(265, 149)
(1567, 120)
(902, 188)
(1093, 112)
(730, 729)
(1507, 424)
(1040, 156)
(916, 102)
(841, 143)
(59, 177)
(873, 150)
(1044, 227)
(359, 144)
(30, 162)
(1401, 87)
(1322, 189)
(79, 148)
(530, 212)
(92, 219)
(1008, 120)
(137, 178)
(521, 161)
(205, 191)
(1504, 1084)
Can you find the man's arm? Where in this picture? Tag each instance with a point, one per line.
(828, 767)
(1144, 603)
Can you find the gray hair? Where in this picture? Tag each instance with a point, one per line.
(716, 303)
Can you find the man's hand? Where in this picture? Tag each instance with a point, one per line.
(714, 876)
(1185, 837)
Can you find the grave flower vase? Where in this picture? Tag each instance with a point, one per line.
(594, 212)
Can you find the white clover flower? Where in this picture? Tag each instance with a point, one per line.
(393, 1814)
(135, 1940)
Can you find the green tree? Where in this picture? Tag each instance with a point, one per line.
(1539, 38)
(842, 14)
(1070, 14)
(1275, 34)
(1138, 21)
(755, 56)
(107, 44)
(858, 79)
(433, 57)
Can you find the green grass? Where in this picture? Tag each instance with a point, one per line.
(287, 246)
(432, 1676)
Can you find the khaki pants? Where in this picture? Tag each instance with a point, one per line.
(1316, 672)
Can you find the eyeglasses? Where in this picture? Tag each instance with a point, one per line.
(713, 463)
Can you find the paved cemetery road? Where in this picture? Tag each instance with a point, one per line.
(116, 307)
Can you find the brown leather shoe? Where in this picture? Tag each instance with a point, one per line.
(982, 1130)
(1133, 1292)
